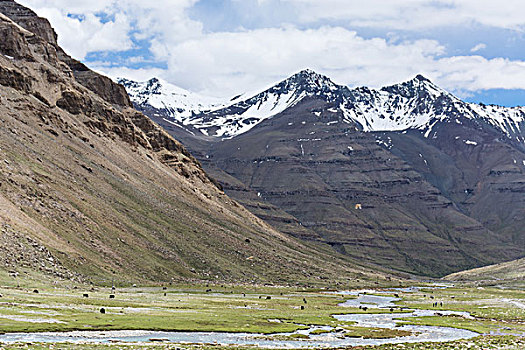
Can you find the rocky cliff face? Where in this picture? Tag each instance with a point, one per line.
(111, 195)
(101, 85)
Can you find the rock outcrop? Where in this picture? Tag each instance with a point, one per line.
(101, 85)
(29, 20)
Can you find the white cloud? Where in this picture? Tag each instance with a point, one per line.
(478, 47)
(226, 63)
(474, 73)
(223, 64)
(86, 31)
(414, 14)
(80, 37)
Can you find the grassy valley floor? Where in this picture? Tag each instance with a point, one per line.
(28, 306)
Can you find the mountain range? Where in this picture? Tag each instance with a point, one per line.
(416, 104)
(407, 176)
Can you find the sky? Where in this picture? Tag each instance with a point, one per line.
(472, 48)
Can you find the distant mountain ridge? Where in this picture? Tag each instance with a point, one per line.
(416, 104)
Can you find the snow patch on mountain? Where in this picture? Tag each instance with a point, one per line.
(415, 104)
(509, 120)
(240, 118)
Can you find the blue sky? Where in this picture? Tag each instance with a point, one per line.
(473, 48)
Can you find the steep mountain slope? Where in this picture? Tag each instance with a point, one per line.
(478, 169)
(90, 186)
(439, 181)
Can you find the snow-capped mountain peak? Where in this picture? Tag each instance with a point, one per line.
(301, 84)
(217, 118)
(243, 114)
(310, 81)
(414, 104)
(168, 99)
(420, 104)
(419, 86)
